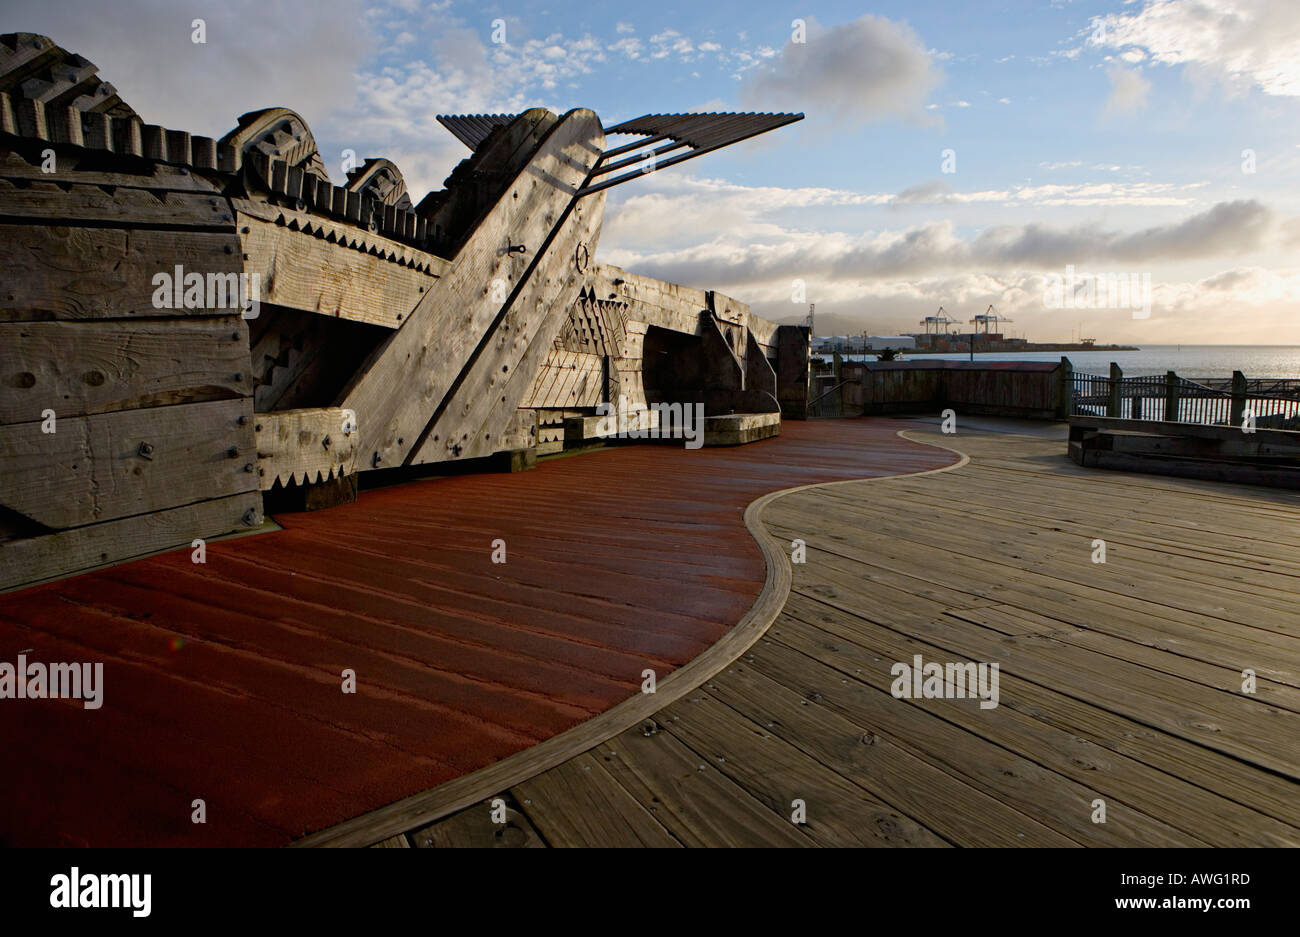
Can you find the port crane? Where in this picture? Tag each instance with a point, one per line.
(989, 315)
(939, 322)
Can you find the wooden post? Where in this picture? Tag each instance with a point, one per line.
(1171, 397)
(838, 364)
(1115, 402)
(1238, 410)
(1065, 393)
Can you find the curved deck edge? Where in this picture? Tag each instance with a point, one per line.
(425, 807)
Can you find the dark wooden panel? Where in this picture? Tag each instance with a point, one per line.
(97, 468)
(78, 368)
(68, 272)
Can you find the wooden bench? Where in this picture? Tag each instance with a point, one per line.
(1190, 450)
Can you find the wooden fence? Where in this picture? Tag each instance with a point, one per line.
(1026, 389)
(1169, 398)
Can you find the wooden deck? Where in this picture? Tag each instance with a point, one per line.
(1119, 682)
(222, 680)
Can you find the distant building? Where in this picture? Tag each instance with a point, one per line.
(861, 344)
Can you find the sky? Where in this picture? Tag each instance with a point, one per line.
(953, 154)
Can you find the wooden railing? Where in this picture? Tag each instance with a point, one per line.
(1273, 403)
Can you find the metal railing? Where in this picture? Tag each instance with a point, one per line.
(1273, 402)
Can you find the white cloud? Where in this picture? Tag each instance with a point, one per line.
(143, 47)
(671, 42)
(857, 71)
(747, 250)
(1251, 41)
(630, 47)
(1263, 304)
(1128, 91)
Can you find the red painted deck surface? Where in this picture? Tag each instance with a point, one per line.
(222, 681)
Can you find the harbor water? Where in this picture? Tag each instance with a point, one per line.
(1191, 361)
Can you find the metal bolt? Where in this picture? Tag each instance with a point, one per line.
(145, 451)
(243, 420)
(250, 517)
(233, 452)
(249, 468)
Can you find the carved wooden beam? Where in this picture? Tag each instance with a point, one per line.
(301, 446)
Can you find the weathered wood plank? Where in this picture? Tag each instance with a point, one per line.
(79, 368)
(579, 804)
(473, 829)
(840, 813)
(67, 169)
(496, 384)
(886, 768)
(302, 271)
(859, 650)
(300, 446)
(429, 352)
(51, 556)
(52, 202)
(1053, 800)
(697, 803)
(1166, 612)
(112, 465)
(62, 272)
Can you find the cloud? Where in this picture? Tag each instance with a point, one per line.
(1262, 303)
(144, 48)
(855, 72)
(1240, 41)
(630, 47)
(770, 254)
(1227, 228)
(924, 193)
(1128, 91)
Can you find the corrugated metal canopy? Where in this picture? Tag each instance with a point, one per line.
(473, 129)
(698, 133)
(701, 130)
